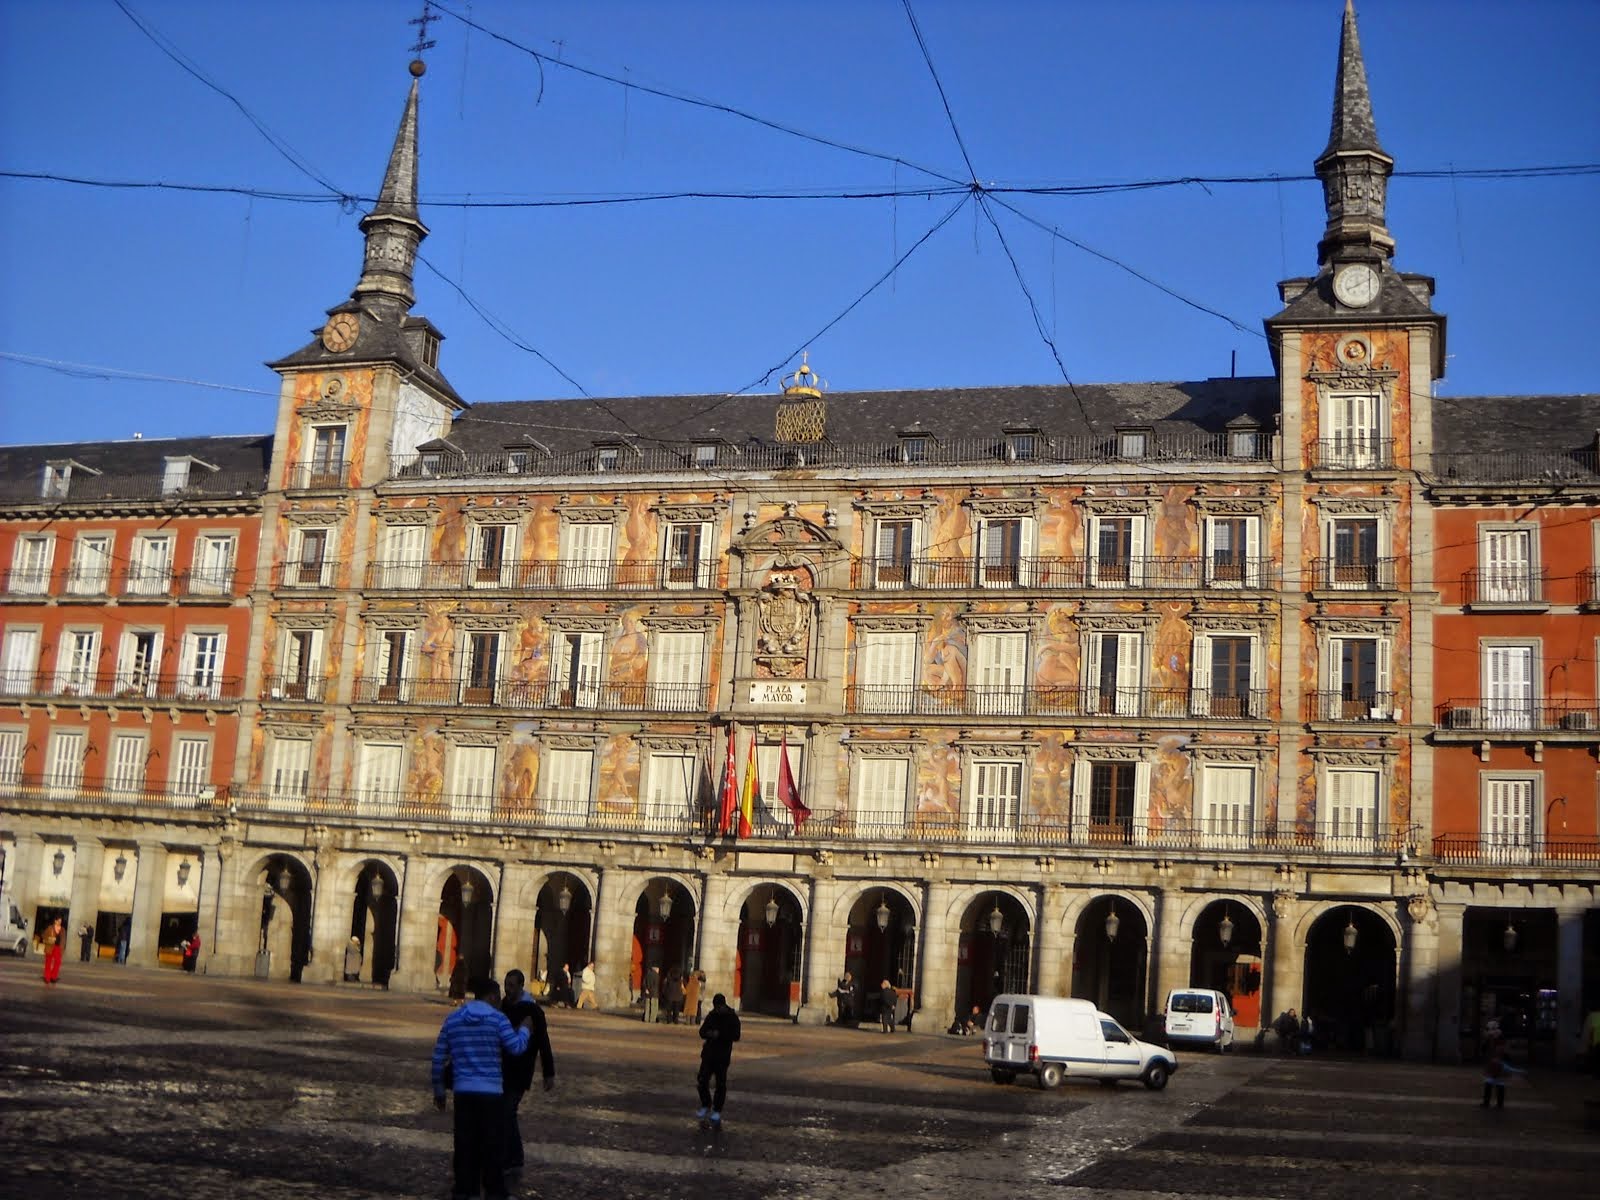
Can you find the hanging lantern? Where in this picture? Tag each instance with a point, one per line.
(1509, 938)
(375, 886)
(59, 861)
(467, 891)
(1113, 923)
(184, 868)
(772, 911)
(664, 906)
(120, 867)
(997, 920)
(284, 880)
(882, 915)
(564, 900)
(1350, 935)
(1225, 930)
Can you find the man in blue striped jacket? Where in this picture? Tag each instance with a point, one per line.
(470, 1042)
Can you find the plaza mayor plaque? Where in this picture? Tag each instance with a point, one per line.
(777, 691)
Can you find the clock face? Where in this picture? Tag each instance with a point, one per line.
(1356, 286)
(340, 331)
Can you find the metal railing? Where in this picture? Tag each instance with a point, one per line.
(206, 582)
(1513, 851)
(1488, 715)
(319, 473)
(1589, 587)
(1356, 453)
(1055, 701)
(1503, 585)
(1374, 575)
(1050, 571)
(86, 488)
(1538, 467)
(293, 687)
(1362, 708)
(70, 792)
(130, 686)
(538, 693)
(547, 575)
(307, 575)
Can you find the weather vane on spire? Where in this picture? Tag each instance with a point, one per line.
(428, 17)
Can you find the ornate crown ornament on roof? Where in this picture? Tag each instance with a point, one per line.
(803, 416)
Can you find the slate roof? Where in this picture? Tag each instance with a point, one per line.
(133, 469)
(1515, 425)
(379, 341)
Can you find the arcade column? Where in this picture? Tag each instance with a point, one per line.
(1287, 968)
(1450, 919)
(1421, 978)
(1172, 951)
(1055, 944)
(516, 911)
(937, 1005)
(144, 934)
(89, 863)
(824, 961)
(1569, 982)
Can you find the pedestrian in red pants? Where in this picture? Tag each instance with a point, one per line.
(54, 935)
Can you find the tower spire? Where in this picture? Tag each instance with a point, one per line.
(393, 230)
(1354, 168)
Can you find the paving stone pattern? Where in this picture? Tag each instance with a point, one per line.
(130, 1083)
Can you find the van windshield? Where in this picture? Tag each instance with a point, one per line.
(1191, 1002)
(998, 1016)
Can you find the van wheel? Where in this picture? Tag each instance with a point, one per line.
(1050, 1076)
(999, 1076)
(1155, 1076)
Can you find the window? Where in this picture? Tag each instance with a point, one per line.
(1360, 685)
(1133, 443)
(886, 671)
(150, 565)
(21, 658)
(705, 456)
(57, 481)
(1350, 808)
(174, 475)
(894, 553)
(1508, 812)
(392, 665)
(11, 744)
(881, 794)
(670, 785)
(1114, 673)
(1022, 445)
(90, 572)
(326, 468)
(1508, 675)
(1116, 551)
(1506, 566)
(518, 461)
(65, 772)
(606, 458)
(472, 781)
(1110, 799)
(202, 665)
(1353, 549)
(578, 669)
(493, 556)
(914, 447)
(191, 766)
(995, 803)
(77, 661)
(308, 564)
(1005, 551)
(213, 565)
(378, 778)
(138, 662)
(1226, 683)
(290, 771)
(1350, 425)
(1228, 795)
(404, 553)
(677, 673)
(301, 676)
(30, 564)
(125, 770)
(480, 675)
(688, 555)
(564, 786)
(1233, 551)
(767, 768)
(586, 554)
(1244, 443)
(999, 672)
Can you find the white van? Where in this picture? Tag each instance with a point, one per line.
(1199, 1016)
(1055, 1038)
(13, 927)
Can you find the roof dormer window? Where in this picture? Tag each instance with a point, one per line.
(1133, 443)
(57, 480)
(1022, 444)
(915, 447)
(174, 475)
(607, 457)
(705, 455)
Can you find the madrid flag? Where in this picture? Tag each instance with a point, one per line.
(747, 794)
(729, 799)
(787, 792)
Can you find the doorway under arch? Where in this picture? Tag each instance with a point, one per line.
(463, 949)
(769, 967)
(664, 923)
(375, 920)
(880, 943)
(284, 885)
(1351, 961)
(1225, 955)
(563, 917)
(1110, 960)
(994, 955)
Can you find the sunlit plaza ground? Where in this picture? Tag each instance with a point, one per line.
(133, 1083)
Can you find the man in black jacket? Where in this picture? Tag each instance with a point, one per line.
(517, 1070)
(719, 1031)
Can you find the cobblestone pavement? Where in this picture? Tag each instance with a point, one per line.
(137, 1083)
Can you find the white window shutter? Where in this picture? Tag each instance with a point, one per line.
(1091, 671)
(1136, 551)
(1079, 815)
(1385, 698)
(1128, 674)
(1141, 800)
(1257, 684)
(1025, 552)
(127, 762)
(1200, 682)
(704, 567)
(1252, 551)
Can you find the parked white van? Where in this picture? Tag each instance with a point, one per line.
(13, 927)
(1199, 1016)
(1055, 1038)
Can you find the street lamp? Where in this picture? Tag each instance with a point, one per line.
(1350, 935)
(1509, 938)
(1225, 930)
(664, 905)
(1113, 923)
(184, 868)
(375, 885)
(284, 880)
(772, 908)
(564, 900)
(59, 861)
(467, 891)
(120, 867)
(997, 919)
(882, 914)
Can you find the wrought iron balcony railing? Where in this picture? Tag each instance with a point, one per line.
(293, 687)
(1358, 452)
(1497, 714)
(1360, 708)
(558, 575)
(89, 489)
(318, 474)
(1509, 850)
(539, 693)
(323, 573)
(126, 686)
(1546, 468)
(1373, 575)
(69, 791)
(203, 582)
(1046, 572)
(1504, 585)
(1063, 701)
(1589, 587)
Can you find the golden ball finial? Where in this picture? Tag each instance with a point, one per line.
(418, 67)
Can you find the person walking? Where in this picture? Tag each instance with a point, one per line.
(85, 941)
(1496, 1070)
(124, 932)
(51, 939)
(886, 1006)
(672, 995)
(470, 1043)
(352, 960)
(191, 953)
(586, 997)
(652, 995)
(693, 1001)
(719, 1031)
(845, 992)
(519, 1008)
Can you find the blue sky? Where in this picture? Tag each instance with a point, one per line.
(707, 296)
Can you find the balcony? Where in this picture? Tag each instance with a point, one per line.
(25, 582)
(1505, 587)
(319, 474)
(1589, 588)
(70, 793)
(203, 584)
(1365, 708)
(1067, 701)
(1577, 719)
(125, 687)
(293, 688)
(537, 694)
(557, 575)
(1338, 575)
(1537, 469)
(1045, 573)
(1477, 849)
(1354, 453)
(307, 576)
(145, 583)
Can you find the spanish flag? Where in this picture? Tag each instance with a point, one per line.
(729, 798)
(747, 794)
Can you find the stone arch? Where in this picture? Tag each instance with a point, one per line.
(560, 939)
(370, 885)
(850, 895)
(1114, 972)
(770, 956)
(1236, 968)
(285, 884)
(1351, 992)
